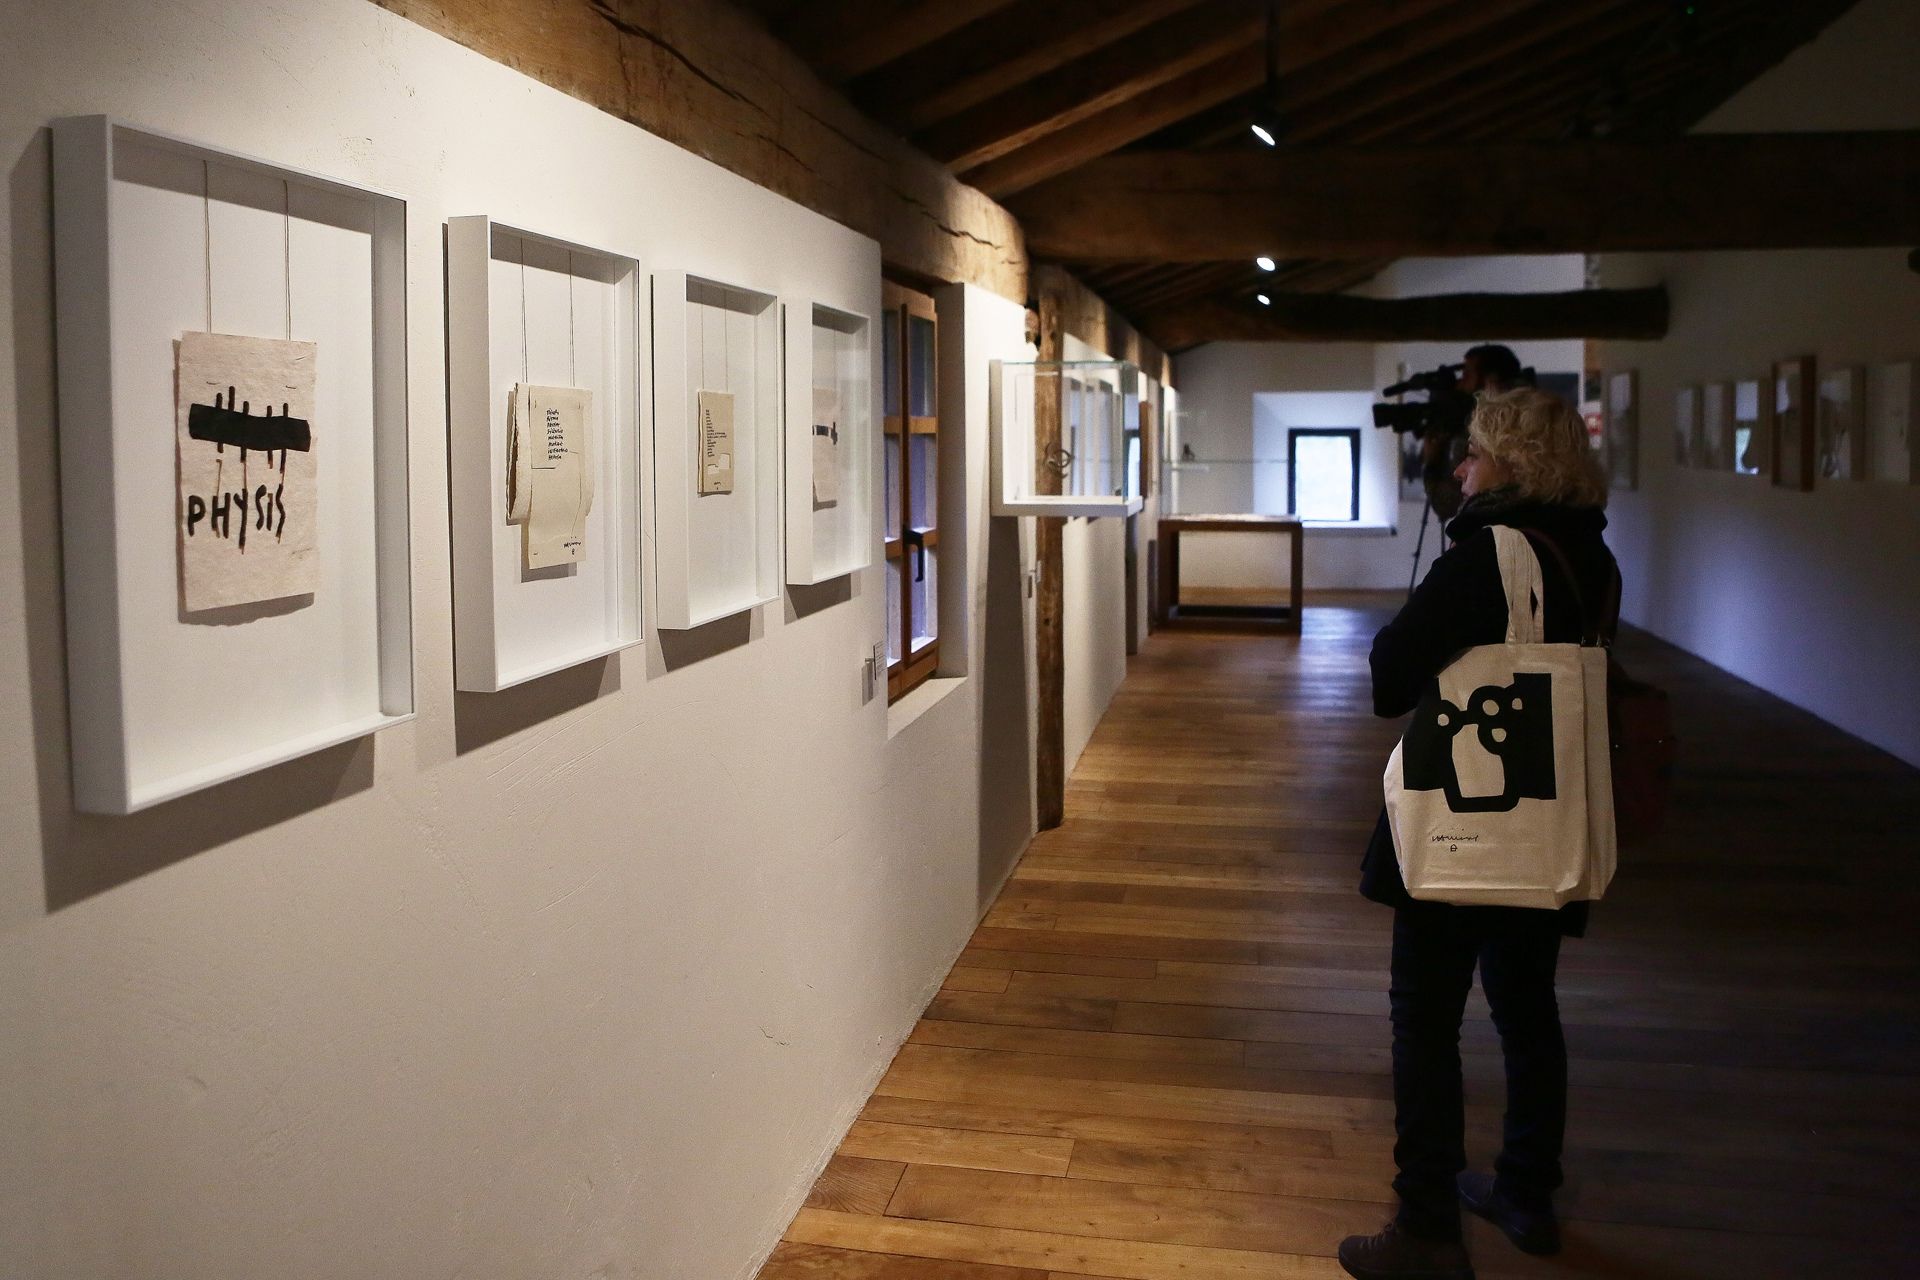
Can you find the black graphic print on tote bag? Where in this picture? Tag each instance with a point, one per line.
(1513, 726)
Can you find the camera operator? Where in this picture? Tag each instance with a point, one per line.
(1489, 369)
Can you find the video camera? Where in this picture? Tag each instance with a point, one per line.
(1443, 413)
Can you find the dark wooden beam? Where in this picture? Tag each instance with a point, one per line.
(842, 38)
(994, 54)
(1312, 38)
(1165, 51)
(1631, 314)
(1704, 191)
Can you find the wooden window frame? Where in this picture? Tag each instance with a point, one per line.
(914, 667)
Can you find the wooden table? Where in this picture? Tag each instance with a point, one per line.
(1171, 527)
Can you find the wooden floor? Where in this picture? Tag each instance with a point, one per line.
(1165, 1053)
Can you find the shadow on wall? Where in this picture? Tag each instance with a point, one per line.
(1006, 731)
(481, 719)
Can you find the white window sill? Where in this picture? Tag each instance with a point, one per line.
(922, 700)
(1348, 529)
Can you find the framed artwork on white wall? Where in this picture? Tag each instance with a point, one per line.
(830, 442)
(1794, 388)
(1716, 426)
(1840, 426)
(1623, 429)
(1687, 447)
(233, 461)
(1752, 445)
(1892, 392)
(718, 403)
(545, 352)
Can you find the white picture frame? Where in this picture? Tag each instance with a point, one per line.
(829, 350)
(715, 554)
(157, 236)
(526, 307)
(1893, 393)
(1688, 448)
(1840, 425)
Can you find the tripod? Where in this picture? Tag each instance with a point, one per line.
(1426, 513)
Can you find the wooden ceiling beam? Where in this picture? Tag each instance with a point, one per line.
(1786, 28)
(1507, 50)
(843, 38)
(994, 54)
(1703, 191)
(1189, 281)
(1631, 314)
(1160, 53)
(1574, 68)
(1311, 40)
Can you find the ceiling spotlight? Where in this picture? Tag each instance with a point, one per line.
(1265, 135)
(1265, 301)
(1264, 262)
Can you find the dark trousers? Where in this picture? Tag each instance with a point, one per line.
(1435, 949)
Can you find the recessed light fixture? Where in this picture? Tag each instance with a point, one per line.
(1263, 262)
(1261, 132)
(1265, 301)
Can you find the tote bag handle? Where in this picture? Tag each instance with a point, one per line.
(1520, 578)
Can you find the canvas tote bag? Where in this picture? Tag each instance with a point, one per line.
(1500, 793)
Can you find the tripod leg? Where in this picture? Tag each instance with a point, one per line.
(1419, 543)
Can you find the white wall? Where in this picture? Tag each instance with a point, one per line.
(1224, 385)
(1093, 620)
(1812, 596)
(581, 979)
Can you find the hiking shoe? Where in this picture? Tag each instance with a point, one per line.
(1395, 1255)
(1532, 1230)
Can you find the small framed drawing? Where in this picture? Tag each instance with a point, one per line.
(1716, 426)
(1752, 448)
(1892, 392)
(830, 442)
(1840, 429)
(233, 446)
(1793, 430)
(1687, 447)
(546, 356)
(718, 407)
(1623, 429)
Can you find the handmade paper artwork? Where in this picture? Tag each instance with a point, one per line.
(244, 442)
(1687, 448)
(550, 472)
(1623, 429)
(1792, 432)
(826, 447)
(1750, 447)
(714, 413)
(1841, 448)
(1716, 426)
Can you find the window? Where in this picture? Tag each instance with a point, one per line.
(1323, 473)
(909, 334)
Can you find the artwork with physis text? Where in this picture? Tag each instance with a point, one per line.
(244, 440)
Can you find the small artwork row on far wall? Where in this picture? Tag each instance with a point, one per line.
(1803, 426)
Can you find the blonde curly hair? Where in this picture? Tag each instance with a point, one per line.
(1542, 443)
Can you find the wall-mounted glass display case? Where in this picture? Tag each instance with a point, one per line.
(1084, 474)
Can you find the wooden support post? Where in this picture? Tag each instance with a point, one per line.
(1050, 732)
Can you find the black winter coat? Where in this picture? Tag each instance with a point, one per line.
(1460, 604)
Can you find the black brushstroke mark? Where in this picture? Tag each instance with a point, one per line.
(222, 424)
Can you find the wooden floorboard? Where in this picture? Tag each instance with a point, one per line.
(1164, 1055)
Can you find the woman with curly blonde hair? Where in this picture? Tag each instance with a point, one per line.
(1528, 466)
